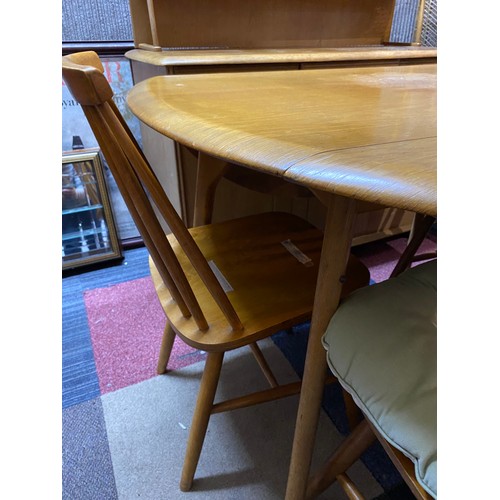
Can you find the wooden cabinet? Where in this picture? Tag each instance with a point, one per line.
(261, 24)
(195, 36)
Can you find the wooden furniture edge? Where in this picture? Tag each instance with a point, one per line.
(262, 56)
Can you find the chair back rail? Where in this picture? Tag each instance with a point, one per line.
(146, 221)
(83, 73)
(176, 224)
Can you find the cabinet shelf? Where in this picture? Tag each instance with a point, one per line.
(84, 234)
(86, 208)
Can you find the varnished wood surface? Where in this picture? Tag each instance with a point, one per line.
(352, 131)
(266, 56)
(270, 287)
(263, 35)
(230, 24)
(368, 173)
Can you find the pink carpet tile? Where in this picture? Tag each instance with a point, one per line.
(126, 324)
(381, 257)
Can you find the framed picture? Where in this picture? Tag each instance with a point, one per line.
(88, 228)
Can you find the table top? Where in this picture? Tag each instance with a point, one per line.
(368, 133)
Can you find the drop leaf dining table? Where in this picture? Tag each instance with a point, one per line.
(348, 134)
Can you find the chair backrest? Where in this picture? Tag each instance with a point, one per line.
(84, 75)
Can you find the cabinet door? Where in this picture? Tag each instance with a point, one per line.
(88, 228)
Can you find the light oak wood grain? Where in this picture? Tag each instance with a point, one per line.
(282, 297)
(397, 174)
(310, 126)
(263, 35)
(261, 23)
(209, 57)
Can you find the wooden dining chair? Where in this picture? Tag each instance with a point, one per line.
(381, 346)
(222, 286)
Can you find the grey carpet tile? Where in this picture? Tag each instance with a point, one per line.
(87, 470)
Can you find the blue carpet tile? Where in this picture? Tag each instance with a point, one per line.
(79, 377)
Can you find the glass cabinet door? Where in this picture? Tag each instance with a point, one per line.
(88, 228)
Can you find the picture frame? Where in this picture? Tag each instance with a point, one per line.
(89, 234)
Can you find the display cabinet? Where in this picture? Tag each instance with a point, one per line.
(88, 229)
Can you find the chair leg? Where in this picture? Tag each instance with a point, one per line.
(264, 366)
(346, 454)
(167, 343)
(204, 404)
(350, 489)
(421, 226)
(353, 413)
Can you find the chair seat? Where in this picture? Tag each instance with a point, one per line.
(381, 344)
(282, 288)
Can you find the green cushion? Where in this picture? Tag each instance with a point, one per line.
(381, 344)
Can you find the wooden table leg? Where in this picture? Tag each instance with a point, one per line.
(210, 170)
(334, 255)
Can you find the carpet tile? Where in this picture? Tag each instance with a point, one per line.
(79, 376)
(126, 324)
(124, 428)
(246, 452)
(87, 472)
